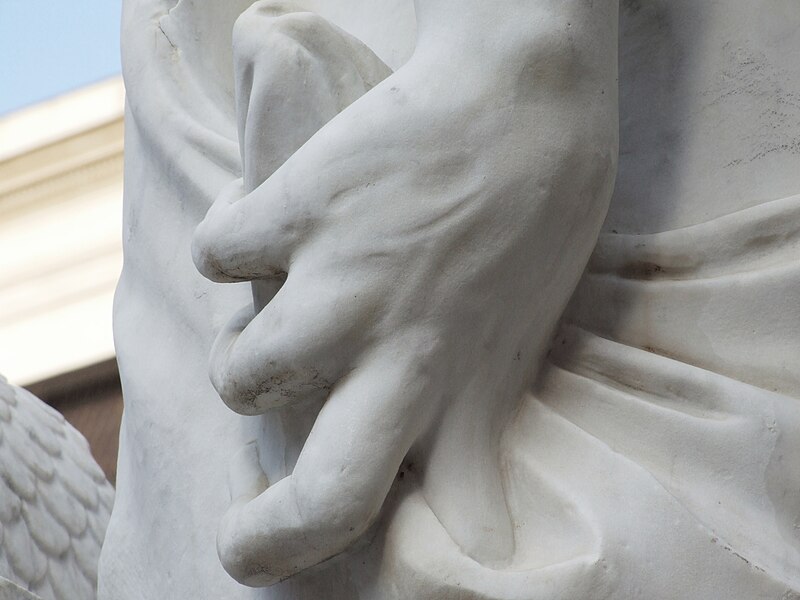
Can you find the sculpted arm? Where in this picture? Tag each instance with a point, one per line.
(432, 233)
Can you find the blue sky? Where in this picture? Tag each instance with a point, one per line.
(48, 47)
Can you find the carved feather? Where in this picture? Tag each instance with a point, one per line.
(54, 500)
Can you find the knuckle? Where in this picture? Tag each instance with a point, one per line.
(210, 244)
(263, 11)
(213, 253)
(233, 550)
(207, 253)
(273, 375)
(266, 27)
(273, 387)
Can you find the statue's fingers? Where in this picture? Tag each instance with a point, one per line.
(294, 72)
(341, 479)
(296, 347)
(251, 237)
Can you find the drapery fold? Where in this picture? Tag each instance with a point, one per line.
(656, 456)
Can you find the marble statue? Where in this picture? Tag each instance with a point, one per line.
(54, 503)
(497, 301)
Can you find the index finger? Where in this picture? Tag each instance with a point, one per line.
(342, 476)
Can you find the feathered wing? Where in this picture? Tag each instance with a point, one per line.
(55, 501)
(11, 591)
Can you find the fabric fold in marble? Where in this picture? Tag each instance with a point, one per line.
(656, 435)
(706, 295)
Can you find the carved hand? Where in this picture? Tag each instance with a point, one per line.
(430, 236)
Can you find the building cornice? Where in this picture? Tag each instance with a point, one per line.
(61, 167)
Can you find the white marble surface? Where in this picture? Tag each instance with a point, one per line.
(459, 390)
(11, 591)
